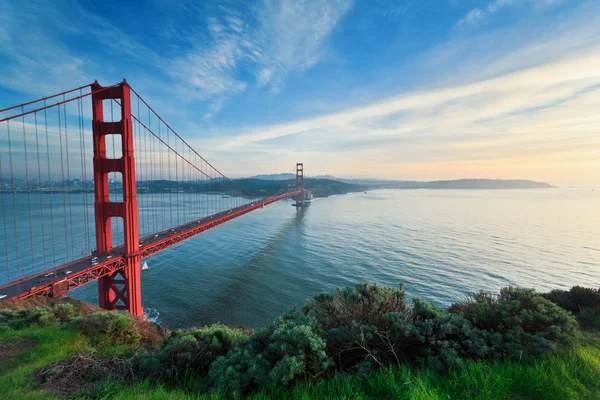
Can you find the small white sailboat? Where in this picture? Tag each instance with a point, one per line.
(145, 266)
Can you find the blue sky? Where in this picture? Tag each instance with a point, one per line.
(402, 89)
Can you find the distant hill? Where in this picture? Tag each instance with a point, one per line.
(371, 184)
(285, 176)
(272, 177)
(467, 184)
(319, 187)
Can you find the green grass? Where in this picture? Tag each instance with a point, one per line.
(568, 374)
(53, 342)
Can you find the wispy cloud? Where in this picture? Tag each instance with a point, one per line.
(259, 47)
(292, 36)
(478, 15)
(230, 49)
(537, 121)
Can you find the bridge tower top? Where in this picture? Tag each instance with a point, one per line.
(300, 184)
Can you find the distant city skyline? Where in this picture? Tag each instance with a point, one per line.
(404, 90)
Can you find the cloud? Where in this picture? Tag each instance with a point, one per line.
(224, 49)
(34, 62)
(292, 35)
(259, 46)
(537, 119)
(472, 18)
(477, 15)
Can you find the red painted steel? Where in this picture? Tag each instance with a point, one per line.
(118, 269)
(150, 245)
(121, 289)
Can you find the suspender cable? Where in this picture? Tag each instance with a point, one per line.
(155, 211)
(37, 146)
(28, 194)
(62, 180)
(12, 195)
(138, 145)
(4, 221)
(49, 184)
(69, 179)
(168, 180)
(176, 184)
(84, 178)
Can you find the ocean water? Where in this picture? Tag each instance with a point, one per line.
(442, 244)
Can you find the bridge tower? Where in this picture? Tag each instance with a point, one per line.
(120, 290)
(300, 184)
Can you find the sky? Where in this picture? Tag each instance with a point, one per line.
(408, 90)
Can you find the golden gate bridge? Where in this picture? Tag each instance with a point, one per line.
(63, 228)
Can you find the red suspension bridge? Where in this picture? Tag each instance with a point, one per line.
(69, 188)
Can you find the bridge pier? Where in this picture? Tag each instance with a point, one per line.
(120, 290)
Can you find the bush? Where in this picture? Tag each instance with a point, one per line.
(353, 323)
(518, 322)
(584, 303)
(288, 349)
(63, 312)
(444, 339)
(187, 353)
(19, 319)
(107, 327)
(365, 303)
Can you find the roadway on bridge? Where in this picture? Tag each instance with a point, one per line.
(55, 275)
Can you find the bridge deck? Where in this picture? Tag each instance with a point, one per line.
(84, 270)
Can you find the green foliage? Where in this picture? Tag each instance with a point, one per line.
(518, 322)
(353, 322)
(444, 339)
(63, 312)
(365, 303)
(107, 328)
(20, 319)
(355, 330)
(288, 349)
(584, 303)
(186, 353)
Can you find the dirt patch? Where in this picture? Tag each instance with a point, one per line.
(80, 372)
(151, 333)
(30, 302)
(81, 307)
(12, 347)
(86, 308)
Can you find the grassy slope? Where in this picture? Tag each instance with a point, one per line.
(569, 374)
(52, 343)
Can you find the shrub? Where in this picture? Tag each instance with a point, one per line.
(584, 303)
(187, 353)
(574, 299)
(19, 319)
(518, 322)
(444, 339)
(107, 326)
(63, 312)
(365, 303)
(353, 323)
(286, 350)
